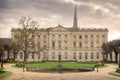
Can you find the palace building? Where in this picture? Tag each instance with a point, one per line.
(73, 44)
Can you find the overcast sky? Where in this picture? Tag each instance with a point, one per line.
(50, 13)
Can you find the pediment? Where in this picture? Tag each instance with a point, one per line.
(59, 28)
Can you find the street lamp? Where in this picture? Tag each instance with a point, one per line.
(119, 58)
(59, 63)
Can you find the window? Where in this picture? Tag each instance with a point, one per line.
(53, 36)
(97, 37)
(80, 44)
(32, 55)
(86, 55)
(38, 55)
(38, 36)
(27, 55)
(92, 38)
(53, 44)
(38, 46)
(21, 55)
(80, 55)
(44, 36)
(15, 56)
(59, 44)
(44, 46)
(86, 36)
(103, 36)
(44, 55)
(97, 55)
(66, 55)
(74, 56)
(65, 36)
(74, 44)
(92, 44)
(92, 55)
(53, 55)
(74, 37)
(80, 36)
(59, 36)
(33, 36)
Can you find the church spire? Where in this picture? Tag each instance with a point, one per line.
(75, 25)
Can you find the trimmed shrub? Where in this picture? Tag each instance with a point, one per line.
(99, 65)
(20, 64)
(1, 69)
(118, 70)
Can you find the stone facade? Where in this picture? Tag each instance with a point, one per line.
(81, 44)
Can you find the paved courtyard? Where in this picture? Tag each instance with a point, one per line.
(94, 75)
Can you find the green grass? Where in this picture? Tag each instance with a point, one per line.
(7, 73)
(115, 73)
(65, 65)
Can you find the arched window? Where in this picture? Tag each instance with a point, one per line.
(74, 55)
(66, 55)
(80, 55)
(97, 56)
(53, 55)
(86, 55)
(21, 55)
(33, 55)
(38, 55)
(92, 55)
(44, 55)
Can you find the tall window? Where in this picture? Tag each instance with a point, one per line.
(74, 44)
(59, 36)
(38, 46)
(53, 36)
(80, 36)
(21, 55)
(59, 44)
(92, 55)
(97, 37)
(33, 36)
(97, 55)
(80, 44)
(92, 38)
(92, 44)
(86, 36)
(27, 55)
(74, 56)
(38, 36)
(38, 55)
(65, 36)
(86, 55)
(66, 55)
(44, 55)
(33, 55)
(80, 55)
(44, 37)
(53, 44)
(74, 37)
(53, 55)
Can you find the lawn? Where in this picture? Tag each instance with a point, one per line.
(5, 74)
(115, 73)
(65, 65)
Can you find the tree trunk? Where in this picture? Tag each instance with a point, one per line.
(8, 55)
(116, 57)
(111, 57)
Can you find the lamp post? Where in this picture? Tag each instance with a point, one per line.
(119, 58)
(59, 63)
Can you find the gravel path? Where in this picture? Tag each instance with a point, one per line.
(94, 75)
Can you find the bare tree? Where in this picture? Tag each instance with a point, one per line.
(8, 48)
(1, 55)
(15, 50)
(25, 38)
